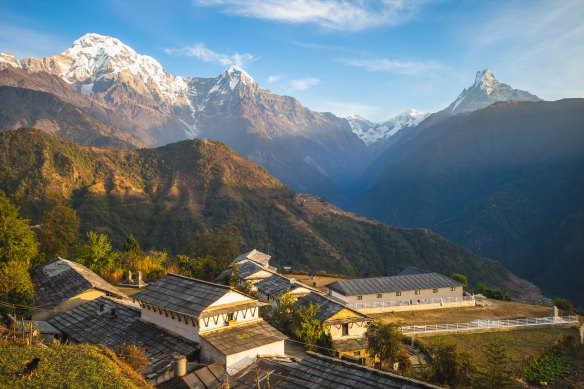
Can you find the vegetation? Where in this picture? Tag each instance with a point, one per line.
(491, 293)
(282, 314)
(404, 362)
(460, 278)
(96, 253)
(552, 366)
(59, 229)
(496, 373)
(564, 305)
(449, 365)
(325, 345)
(66, 366)
(17, 246)
(133, 356)
(385, 343)
(307, 328)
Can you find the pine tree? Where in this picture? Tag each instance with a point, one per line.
(496, 372)
(325, 344)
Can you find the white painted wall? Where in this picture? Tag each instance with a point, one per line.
(182, 328)
(236, 362)
(210, 324)
(231, 297)
(209, 354)
(405, 295)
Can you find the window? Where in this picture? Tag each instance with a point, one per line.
(452, 288)
(345, 329)
(435, 290)
(359, 297)
(379, 295)
(398, 294)
(230, 316)
(417, 292)
(357, 353)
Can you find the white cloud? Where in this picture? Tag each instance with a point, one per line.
(25, 42)
(201, 52)
(346, 108)
(303, 83)
(395, 66)
(274, 78)
(332, 14)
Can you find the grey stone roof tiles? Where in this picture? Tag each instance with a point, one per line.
(363, 286)
(319, 371)
(412, 270)
(182, 294)
(254, 255)
(59, 280)
(243, 337)
(244, 269)
(328, 308)
(275, 284)
(85, 324)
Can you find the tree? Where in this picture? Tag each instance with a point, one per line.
(60, 229)
(450, 366)
(222, 245)
(308, 329)
(496, 372)
(132, 256)
(325, 345)
(385, 343)
(460, 278)
(404, 362)
(282, 313)
(234, 276)
(96, 253)
(18, 246)
(245, 287)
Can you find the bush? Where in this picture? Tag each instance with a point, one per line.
(564, 305)
(553, 365)
(133, 356)
(155, 273)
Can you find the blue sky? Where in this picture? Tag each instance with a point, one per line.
(374, 58)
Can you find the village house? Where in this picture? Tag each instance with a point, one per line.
(319, 371)
(61, 285)
(252, 266)
(414, 290)
(270, 288)
(224, 321)
(346, 326)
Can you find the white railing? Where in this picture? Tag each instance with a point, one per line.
(481, 324)
(401, 303)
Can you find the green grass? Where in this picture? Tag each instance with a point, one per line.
(521, 344)
(66, 366)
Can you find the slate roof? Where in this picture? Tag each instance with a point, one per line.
(254, 255)
(263, 373)
(181, 294)
(319, 371)
(85, 324)
(352, 344)
(412, 270)
(276, 284)
(59, 280)
(208, 377)
(328, 308)
(235, 339)
(363, 286)
(245, 270)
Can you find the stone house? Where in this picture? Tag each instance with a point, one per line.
(416, 290)
(61, 285)
(271, 287)
(224, 321)
(252, 266)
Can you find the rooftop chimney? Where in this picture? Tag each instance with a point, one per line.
(180, 365)
(113, 312)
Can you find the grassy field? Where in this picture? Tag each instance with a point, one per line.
(66, 366)
(495, 310)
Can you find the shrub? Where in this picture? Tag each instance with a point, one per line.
(564, 305)
(553, 365)
(133, 356)
(155, 273)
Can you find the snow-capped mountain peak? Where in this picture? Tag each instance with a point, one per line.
(485, 91)
(371, 132)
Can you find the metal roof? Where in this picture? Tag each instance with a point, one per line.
(363, 286)
(254, 255)
(243, 337)
(328, 308)
(319, 371)
(182, 294)
(87, 324)
(59, 280)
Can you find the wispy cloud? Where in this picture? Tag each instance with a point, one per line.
(346, 108)
(538, 45)
(395, 66)
(23, 41)
(303, 83)
(205, 54)
(275, 78)
(331, 14)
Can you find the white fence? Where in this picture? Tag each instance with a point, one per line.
(400, 303)
(485, 324)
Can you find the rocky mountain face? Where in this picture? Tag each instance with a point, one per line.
(164, 194)
(485, 91)
(309, 151)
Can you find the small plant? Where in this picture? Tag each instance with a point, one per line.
(133, 356)
(564, 305)
(552, 366)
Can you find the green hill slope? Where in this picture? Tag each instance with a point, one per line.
(162, 195)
